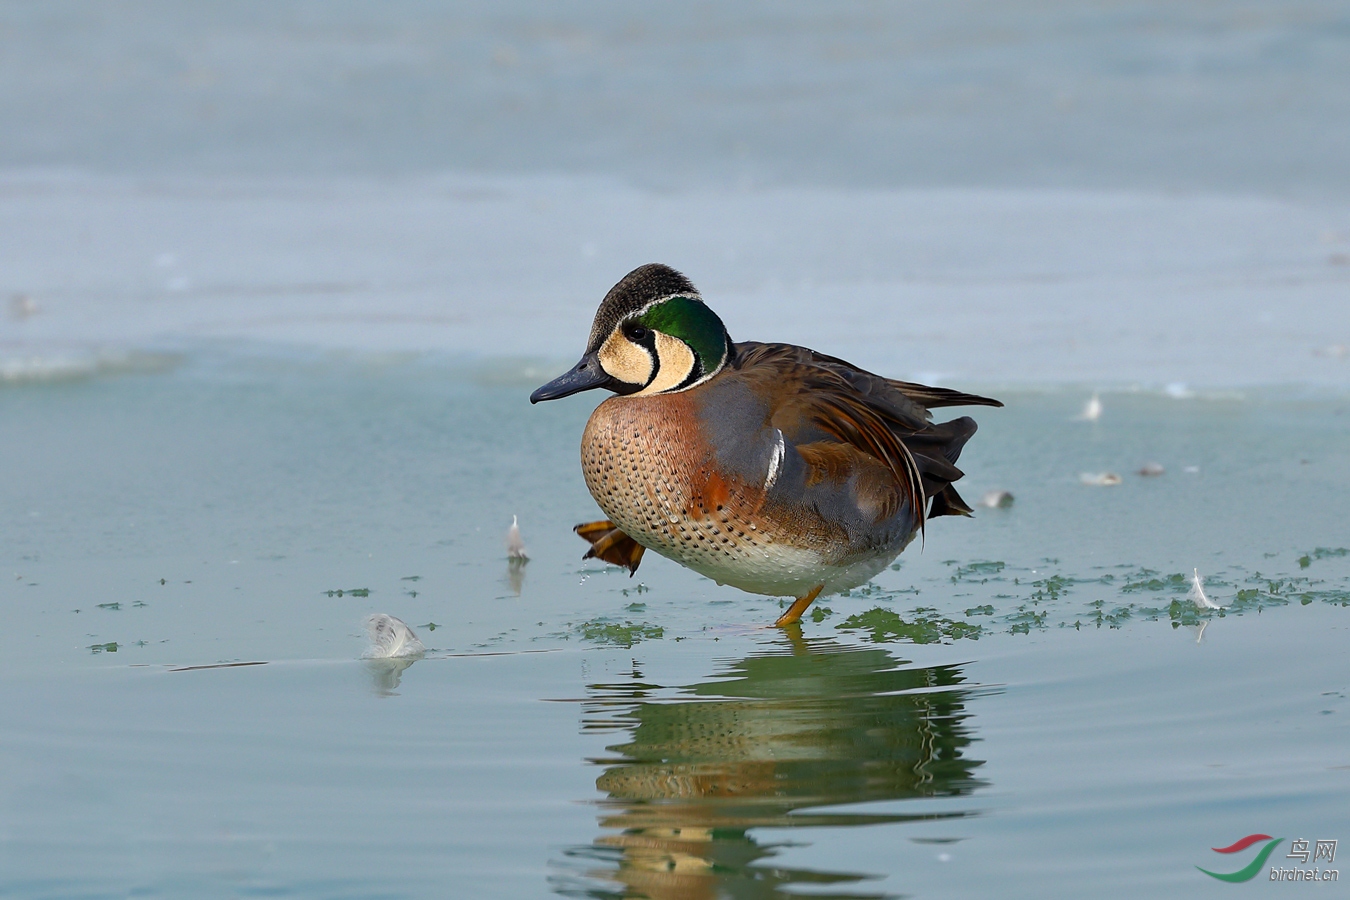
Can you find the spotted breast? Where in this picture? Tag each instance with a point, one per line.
(728, 515)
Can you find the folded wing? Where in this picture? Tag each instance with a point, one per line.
(823, 399)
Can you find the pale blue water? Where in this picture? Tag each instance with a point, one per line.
(279, 277)
(1080, 741)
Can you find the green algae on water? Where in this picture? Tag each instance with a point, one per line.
(1321, 553)
(618, 634)
(923, 627)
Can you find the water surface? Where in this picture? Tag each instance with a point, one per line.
(1028, 698)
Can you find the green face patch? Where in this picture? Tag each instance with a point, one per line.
(694, 323)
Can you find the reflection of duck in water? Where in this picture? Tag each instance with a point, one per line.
(782, 734)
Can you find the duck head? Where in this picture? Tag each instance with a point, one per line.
(652, 334)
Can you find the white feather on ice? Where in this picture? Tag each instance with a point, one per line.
(391, 638)
(515, 546)
(1092, 411)
(1198, 595)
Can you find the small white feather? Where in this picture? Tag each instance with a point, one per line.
(1197, 594)
(515, 547)
(1092, 411)
(997, 499)
(391, 638)
(1099, 479)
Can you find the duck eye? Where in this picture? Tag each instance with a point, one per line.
(635, 333)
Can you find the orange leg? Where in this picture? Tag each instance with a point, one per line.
(794, 612)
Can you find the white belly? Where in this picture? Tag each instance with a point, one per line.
(778, 570)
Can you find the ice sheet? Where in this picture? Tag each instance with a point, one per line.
(1026, 287)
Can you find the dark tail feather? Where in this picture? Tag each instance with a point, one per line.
(936, 450)
(609, 544)
(934, 397)
(947, 502)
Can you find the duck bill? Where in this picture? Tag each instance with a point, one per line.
(584, 376)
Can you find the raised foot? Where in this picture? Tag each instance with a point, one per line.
(794, 612)
(609, 544)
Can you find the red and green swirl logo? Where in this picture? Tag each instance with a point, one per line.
(1247, 872)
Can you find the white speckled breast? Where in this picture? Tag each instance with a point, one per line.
(647, 467)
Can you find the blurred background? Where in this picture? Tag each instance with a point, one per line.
(1232, 97)
(1108, 192)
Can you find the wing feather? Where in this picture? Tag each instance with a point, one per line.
(823, 396)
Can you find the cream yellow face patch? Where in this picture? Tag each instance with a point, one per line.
(677, 361)
(625, 360)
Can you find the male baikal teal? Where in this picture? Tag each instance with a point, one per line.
(769, 467)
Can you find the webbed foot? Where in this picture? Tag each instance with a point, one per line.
(609, 544)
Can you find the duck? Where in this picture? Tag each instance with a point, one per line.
(766, 466)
